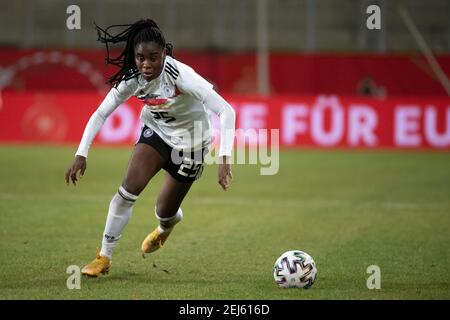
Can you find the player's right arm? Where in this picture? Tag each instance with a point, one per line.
(113, 99)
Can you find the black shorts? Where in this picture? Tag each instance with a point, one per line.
(183, 166)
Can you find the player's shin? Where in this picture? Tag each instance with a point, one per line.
(120, 210)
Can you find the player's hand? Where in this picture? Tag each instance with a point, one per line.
(225, 175)
(79, 164)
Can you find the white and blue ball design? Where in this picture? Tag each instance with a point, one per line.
(295, 269)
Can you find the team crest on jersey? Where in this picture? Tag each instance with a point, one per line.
(169, 91)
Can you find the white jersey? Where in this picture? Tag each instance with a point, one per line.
(173, 105)
(176, 106)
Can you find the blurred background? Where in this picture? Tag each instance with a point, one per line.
(232, 25)
(267, 49)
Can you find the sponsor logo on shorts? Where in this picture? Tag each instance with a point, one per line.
(148, 133)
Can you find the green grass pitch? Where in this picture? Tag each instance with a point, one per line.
(348, 209)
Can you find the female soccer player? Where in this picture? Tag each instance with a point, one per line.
(175, 136)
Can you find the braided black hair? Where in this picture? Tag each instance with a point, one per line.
(145, 30)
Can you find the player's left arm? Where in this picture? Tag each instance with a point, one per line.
(192, 83)
(214, 102)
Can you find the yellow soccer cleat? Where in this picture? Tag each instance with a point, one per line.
(154, 241)
(100, 265)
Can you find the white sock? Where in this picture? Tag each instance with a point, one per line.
(119, 213)
(166, 224)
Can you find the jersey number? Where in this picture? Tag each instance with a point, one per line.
(191, 168)
(162, 115)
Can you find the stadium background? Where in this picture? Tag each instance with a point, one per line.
(293, 65)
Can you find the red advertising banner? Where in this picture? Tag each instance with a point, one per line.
(321, 121)
(290, 73)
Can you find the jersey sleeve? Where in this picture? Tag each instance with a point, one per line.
(190, 82)
(113, 99)
(218, 105)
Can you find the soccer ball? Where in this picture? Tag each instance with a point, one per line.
(295, 269)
